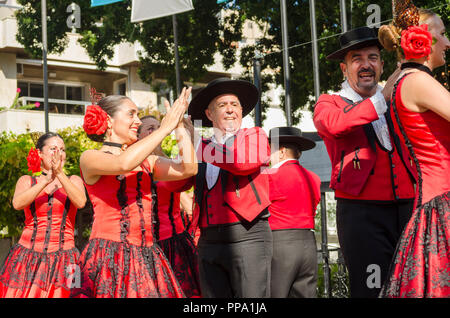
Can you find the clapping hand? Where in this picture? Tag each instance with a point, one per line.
(175, 113)
(57, 163)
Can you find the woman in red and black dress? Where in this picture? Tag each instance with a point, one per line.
(421, 116)
(121, 259)
(168, 227)
(44, 261)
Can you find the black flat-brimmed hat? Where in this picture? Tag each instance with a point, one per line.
(247, 93)
(291, 135)
(356, 39)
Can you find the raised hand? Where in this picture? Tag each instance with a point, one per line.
(175, 113)
(186, 123)
(56, 162)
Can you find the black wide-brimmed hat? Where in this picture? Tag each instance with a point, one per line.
(291, 135)
(247, 93)
(356, 39)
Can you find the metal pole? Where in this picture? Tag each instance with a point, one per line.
(312, 13)
(44, 59)
(324, 246)
(343, 16)
(286, 65)
(351, 14)
(257, 82)
(177, 58)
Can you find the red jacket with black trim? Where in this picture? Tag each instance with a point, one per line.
(345, 128)
(244, 187)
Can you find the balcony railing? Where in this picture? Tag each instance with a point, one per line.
(61, 106)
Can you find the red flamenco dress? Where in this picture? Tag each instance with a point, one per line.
(121, 259)
(44, 261)
(172, 236)
(421, 265)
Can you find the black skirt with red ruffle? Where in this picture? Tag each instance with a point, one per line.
(30, 274)
(112, 269)
(421, 266)
(181, 252)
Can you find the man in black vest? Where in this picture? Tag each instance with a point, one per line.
(232, 194)
(371, 178)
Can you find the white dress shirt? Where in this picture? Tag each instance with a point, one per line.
(379, 125)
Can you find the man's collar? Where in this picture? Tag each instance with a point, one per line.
(279, 164)
(224, 137)
(348, 92)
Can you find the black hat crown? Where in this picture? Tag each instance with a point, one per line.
(356, 39)
(247, 93)
(291, 135)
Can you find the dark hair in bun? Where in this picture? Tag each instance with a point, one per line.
(390, 35)
(42, 139)
(110, 104)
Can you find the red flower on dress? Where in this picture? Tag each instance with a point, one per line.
(416, 41)
(34, 161)
(95, 120)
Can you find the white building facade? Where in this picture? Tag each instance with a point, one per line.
(72, 74)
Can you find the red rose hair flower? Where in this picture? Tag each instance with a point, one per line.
(95, 120)
(33, 161)
(416, 41)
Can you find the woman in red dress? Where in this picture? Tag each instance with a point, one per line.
(44, 261)
(169, 231)
(121, 259)
(421, 116)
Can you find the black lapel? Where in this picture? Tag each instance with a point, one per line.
(371, 136)
(200, 183)
(368, 128)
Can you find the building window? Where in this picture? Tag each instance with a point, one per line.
(122, 89)
(63, 99)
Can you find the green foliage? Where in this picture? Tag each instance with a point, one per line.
(202, 33)
(76, 141)
(13, 152)
(339, 281)
(13, 164)
(15, 104)
(169, 146)
(267, 14)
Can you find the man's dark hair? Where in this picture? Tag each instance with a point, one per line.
(293, 148)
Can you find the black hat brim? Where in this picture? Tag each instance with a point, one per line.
(246, 92)
(340, 54)
(303, 144)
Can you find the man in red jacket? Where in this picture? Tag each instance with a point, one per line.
(231, 193)
(295, 194)
(373, 181)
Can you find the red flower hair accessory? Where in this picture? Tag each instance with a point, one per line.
(416, 41)
(34, 161)
(95, 120)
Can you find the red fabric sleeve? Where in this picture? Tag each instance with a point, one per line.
(334, 118)
(249, 151)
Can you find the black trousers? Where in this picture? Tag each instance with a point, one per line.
(294, 264)
(234, 260)
(368, 235)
